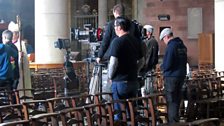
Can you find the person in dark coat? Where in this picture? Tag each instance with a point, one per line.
(125, 59)
(174, 72)
(118, 11)
(151, 50)
(15, 64)
(7, 54)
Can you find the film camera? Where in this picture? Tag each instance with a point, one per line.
(87, 33)
(70, 79)
(62, 44)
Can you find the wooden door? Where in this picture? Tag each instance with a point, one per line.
(206, 48)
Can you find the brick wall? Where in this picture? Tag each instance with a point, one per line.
(177, 9)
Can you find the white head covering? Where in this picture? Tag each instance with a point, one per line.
(148, 28)
(13, 26)
(165, 32)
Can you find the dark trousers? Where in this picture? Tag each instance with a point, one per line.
(15, 84)
(123, 90)
(6, 88)
(173, 86)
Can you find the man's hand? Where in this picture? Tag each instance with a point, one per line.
(98, 60)
(21, 53)
(109, 81)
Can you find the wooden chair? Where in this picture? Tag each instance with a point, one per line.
(207, 98)
(10, 113)
(103, 97)
(31, 108)
(82, 100)
(68, 115)
(58, 104)
(142, 111)
(206, 122)
(95, 107)
(221, 98)
(123, 111)
(200, 122)
(160, 107)
(72, 116)
(16, 123)
(95, 116)
(45, 119)
(24, 95)
(192, 94)
(215, 86)
(32, 94)
(5, 96)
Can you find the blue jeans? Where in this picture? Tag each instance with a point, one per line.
(123, 90)
(173, 86)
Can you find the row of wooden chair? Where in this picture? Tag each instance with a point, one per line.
(205, 96)
(142, 110)
(87, 109)
(147, 110)
(29, 108)
(88, 104)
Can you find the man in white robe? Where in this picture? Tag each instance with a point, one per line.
(25, 75)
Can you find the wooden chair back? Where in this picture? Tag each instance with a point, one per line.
(72, 116)
(47, 119)
(6, 96)
(58, 104)
(95, 116)
(160, 107)
(142, 111)
(123, 112)
(10, 113)
(35, 107)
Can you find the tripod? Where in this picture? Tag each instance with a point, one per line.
(70, 75)
(148, 87)
(88, 61)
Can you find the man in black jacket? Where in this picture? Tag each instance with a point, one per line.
(118, 11)
(125, 60)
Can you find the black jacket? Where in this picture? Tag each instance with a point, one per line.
(152, 49)
(110, 35)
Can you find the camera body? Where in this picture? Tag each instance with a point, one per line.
(88, 33)
(94, 49)
(62, 44)
(92, 35)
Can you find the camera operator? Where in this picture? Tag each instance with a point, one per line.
(118, 11)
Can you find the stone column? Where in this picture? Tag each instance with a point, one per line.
(51, 23)
(135, 9)
(219, 25)
(102, 13)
